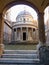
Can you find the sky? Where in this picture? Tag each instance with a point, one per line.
(15, 10)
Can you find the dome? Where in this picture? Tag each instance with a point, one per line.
(24, 16)
(24, 13)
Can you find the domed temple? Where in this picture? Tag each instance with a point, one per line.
(25, 29)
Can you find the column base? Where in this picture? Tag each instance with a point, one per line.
(1, 49)
(40, 44)
(44, 55)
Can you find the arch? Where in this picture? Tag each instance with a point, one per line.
(9, 5)
(46, 6)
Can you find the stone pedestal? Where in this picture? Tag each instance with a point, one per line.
(44, 55)
(1, 49)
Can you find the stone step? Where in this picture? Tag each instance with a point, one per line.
(23, 64)
(27, 56)
(18, 61)
(20, 51)
(20, 57)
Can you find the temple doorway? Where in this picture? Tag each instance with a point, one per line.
(24, 35)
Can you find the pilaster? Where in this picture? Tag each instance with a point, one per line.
(1, 35)
(41, 28)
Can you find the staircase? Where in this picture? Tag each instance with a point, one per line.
(20, 57)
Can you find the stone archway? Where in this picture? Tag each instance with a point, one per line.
(40, 17)
(41, 24)
(13, 3)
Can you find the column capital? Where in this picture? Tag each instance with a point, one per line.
(41, 16)
(42, 13)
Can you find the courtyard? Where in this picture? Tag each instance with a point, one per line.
(20, 47)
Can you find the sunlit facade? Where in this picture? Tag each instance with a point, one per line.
(25, 29)
(47, 24)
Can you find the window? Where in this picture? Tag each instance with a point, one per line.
(24, 19)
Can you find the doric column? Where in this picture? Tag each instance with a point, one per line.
(26, 33)
(41, 28)
(1, 35)
(21, 34)
(16, 33)
(32, 33)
